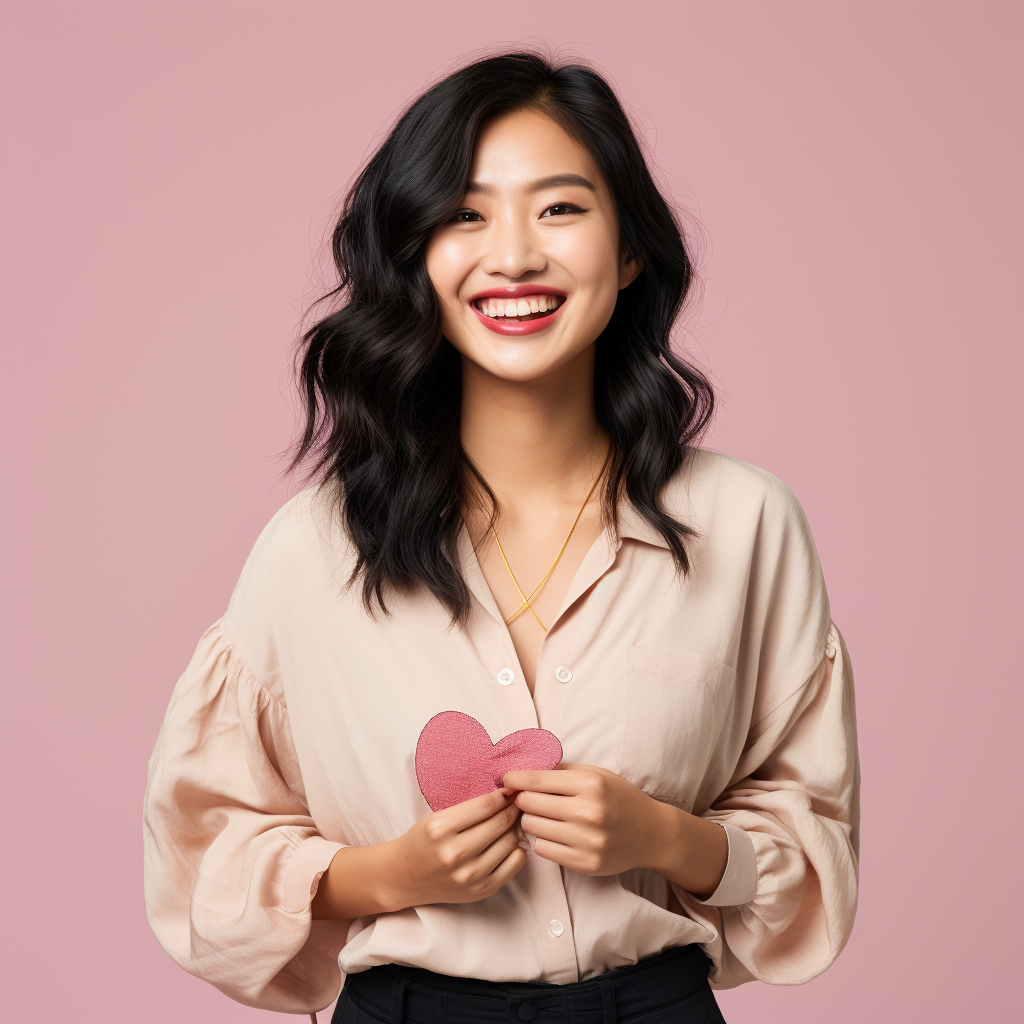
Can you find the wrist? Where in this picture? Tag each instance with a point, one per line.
(392, 887)
(688, 850)
(360, 881)
(668, 848)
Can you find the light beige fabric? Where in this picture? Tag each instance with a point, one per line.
(292, 733)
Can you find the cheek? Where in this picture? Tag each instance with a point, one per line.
(590, 257)
(447, 258)
(445, 261)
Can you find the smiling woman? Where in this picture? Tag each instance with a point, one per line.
(507, 456)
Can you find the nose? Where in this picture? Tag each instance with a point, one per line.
(511, 249)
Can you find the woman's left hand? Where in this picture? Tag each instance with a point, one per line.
(590, 819)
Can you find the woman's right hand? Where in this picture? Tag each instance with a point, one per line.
(459, 854)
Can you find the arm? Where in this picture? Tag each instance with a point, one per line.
(793, 812)
(231, 854)
(785, 907)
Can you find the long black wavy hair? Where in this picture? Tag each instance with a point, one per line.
(381, 385)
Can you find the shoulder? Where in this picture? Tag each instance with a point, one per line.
(751, 526)
(304, 535)
(715, 489)
(755, 540)
(291, 562)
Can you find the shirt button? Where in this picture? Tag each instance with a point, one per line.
(830, 651)
(562, 674)
(505, 676)
(555, 927)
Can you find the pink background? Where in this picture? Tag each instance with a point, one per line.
(170, 171)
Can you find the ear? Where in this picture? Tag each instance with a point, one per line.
(629, 270)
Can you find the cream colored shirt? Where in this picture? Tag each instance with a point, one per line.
(293, 729)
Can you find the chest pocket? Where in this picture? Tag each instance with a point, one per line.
(678, 705)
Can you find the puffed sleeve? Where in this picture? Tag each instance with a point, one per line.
(232, 857)
(785, 907)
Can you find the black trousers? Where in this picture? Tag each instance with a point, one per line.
(671, 988)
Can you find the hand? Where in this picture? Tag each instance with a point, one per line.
(459, 854)
(589, 819)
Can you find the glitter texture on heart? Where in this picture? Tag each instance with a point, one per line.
(456, 760)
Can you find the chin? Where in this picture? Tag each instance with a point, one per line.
(523, 376)
(511, 359)
(523, 369)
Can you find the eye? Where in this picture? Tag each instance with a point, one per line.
(467, 216)
(566, 209)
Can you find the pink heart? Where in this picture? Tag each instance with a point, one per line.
(455, 759)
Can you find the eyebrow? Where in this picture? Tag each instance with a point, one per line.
(553, 181)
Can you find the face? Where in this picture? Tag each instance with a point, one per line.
(528, 271)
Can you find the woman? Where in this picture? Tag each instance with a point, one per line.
(532, 707)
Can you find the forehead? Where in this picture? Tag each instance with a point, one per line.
(515, 150)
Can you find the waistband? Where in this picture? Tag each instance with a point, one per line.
(398, 993)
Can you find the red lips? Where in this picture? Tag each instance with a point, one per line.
(516, 328)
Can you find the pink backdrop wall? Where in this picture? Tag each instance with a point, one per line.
(169, 172)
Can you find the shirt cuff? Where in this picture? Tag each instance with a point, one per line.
(739, 883)
(302, 875)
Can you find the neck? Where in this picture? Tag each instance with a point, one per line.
(534, 442)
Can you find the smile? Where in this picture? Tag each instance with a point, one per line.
(525, 315)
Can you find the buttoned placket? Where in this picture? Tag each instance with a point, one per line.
(520, 710)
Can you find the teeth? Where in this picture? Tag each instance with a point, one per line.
(517, 307)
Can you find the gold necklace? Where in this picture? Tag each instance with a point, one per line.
(526, 600)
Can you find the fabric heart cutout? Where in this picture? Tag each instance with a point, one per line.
(456, 760)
